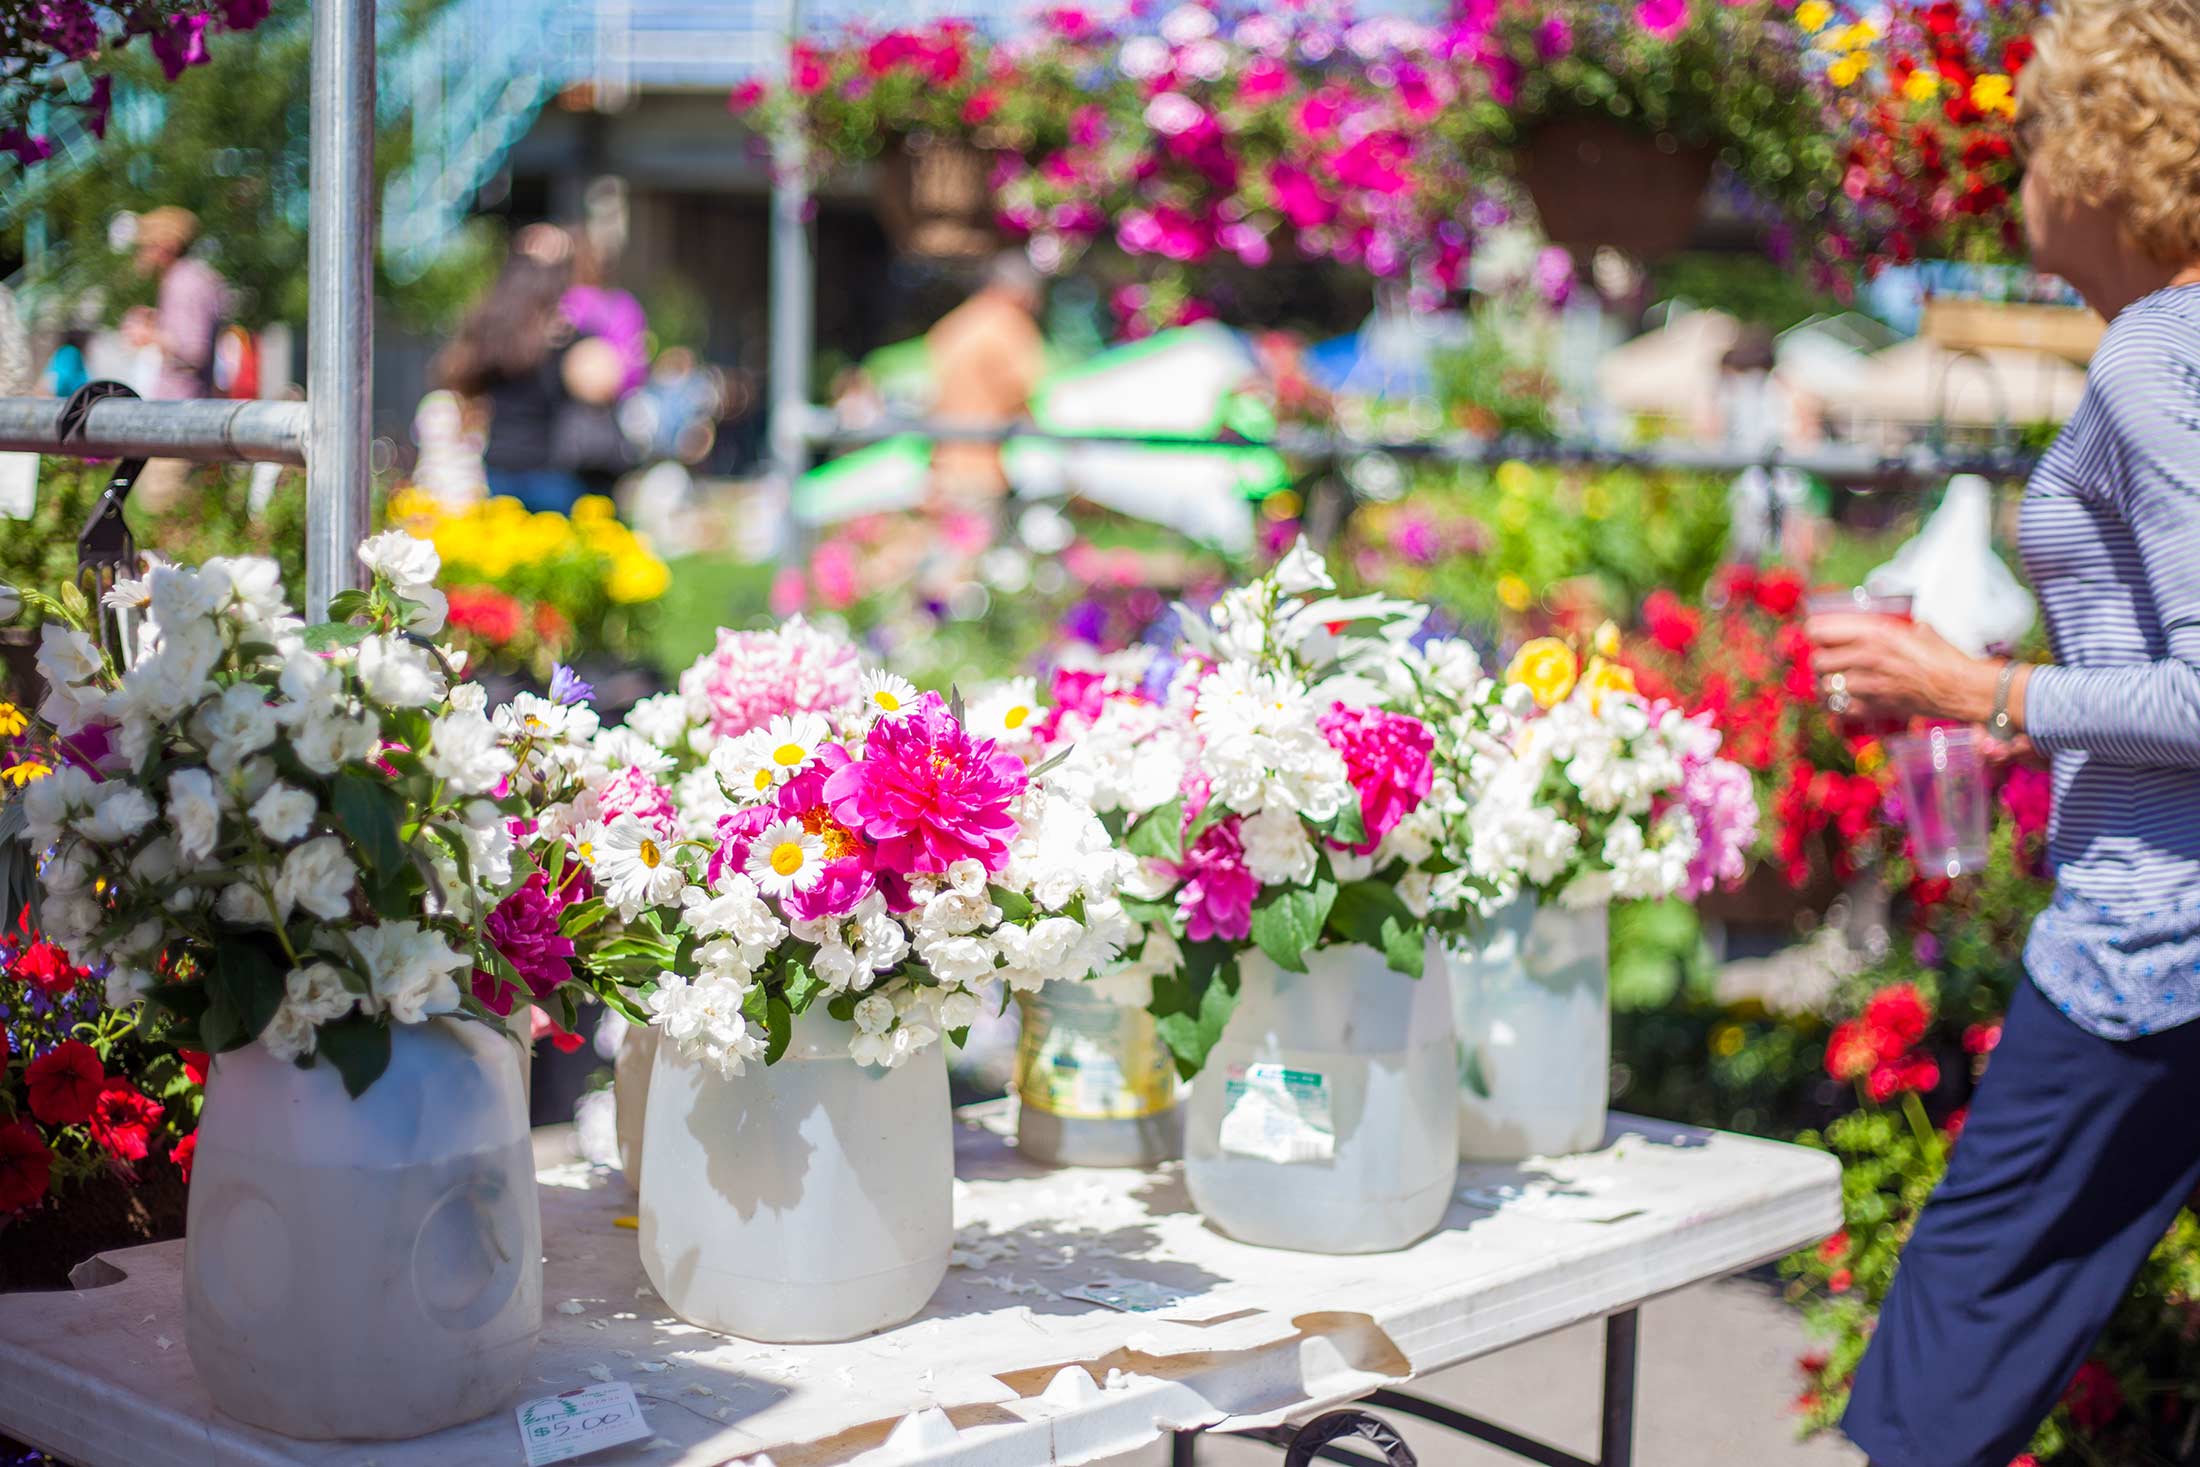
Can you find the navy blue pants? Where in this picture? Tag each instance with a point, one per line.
(2076, 1156)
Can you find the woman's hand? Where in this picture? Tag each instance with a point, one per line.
(1886, 667)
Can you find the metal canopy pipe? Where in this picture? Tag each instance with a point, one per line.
(791, 286)
(208, 431)
(340, 310)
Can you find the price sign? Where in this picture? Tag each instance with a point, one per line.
(559, 1428)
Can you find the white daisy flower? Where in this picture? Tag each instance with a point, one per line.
(786, 858)
(635, 866)
(744, 765)
(790, 743)
(1007, 712)
(887, 694)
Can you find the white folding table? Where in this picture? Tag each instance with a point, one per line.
(1088, 1313)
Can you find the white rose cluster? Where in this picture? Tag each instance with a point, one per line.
(255, 778)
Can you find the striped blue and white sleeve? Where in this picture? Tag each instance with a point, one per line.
(2146, 383)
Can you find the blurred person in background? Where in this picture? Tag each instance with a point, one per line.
(987, 358)
(177, 331)
(1776, 513)
(66, 370)
(548, 390)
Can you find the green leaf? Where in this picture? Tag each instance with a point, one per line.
(359, 1047)
(801, 986)
(1348, 828)
(1288, 921)
(345, 605)
(368, 811)
(244, 988)
(779, 1019)
(960, 1037)
(1015, 907)
(1371, 913)
(842, 1006)
(330, 635)
(1143, 909)
(583, 917)
(1191, 1036)
(756, 1004)
(1159, 833)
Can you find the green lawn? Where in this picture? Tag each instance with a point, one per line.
(707, 592)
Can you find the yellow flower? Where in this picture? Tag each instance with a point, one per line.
(1994, 92)
(1512, 593)
(1726, 1040)
(1606, 641)
(1546, 667)
(1813, 15)
(637, 576)
(1870, 757)
(1603, 677)
(1515, 477)
(23, 773)
(1856, 37)
(1921, 85)
(1844, 72)
(12, 721)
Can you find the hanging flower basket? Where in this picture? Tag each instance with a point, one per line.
(1596, 182)
(935, 197)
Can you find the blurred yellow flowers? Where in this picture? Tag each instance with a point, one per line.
(496, 537)
(1994, 92)
(1547, 668)
(1813, 16)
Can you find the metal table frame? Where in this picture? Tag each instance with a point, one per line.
(1318, 1440)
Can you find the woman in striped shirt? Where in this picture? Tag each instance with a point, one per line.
(2084, 1137)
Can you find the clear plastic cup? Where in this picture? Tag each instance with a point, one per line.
(1942, 776)
(1856, 599)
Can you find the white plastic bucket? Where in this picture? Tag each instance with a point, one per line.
(1532, 998)
(804, 1201)
(370, 1267)
(1325, 1119)
(1095, 1086)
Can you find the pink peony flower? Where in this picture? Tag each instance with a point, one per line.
(735, 831)
(1664, 19)
(524, 928)
(850, 870)
(1303, 201)
(928, 793)
(1388, 758)
(751, 677)
(631, 792)
(2029, 796)
(1217, 899)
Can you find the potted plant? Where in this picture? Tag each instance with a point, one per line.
(1602, 795)
(1292, 800)
(293, 845)
(801, 915)
(1614, 115)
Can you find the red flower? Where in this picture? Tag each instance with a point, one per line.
(26, 1165)
(1850, 1054)
(2093, 1398)
(195, 1062)
(1672, 625)
(183, 1153)
(2016, 54)
(64, 1083)
(1916, 1072)
(1779, 592)
(1981, 1038)
(47, 968)
(1835, 1248)
(486, 613)
(1840, 1281)
(982, 105)
(1956, 1122)
(123, 1120)
(745, 96)
(1898, 1017)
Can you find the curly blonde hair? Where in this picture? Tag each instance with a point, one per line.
(2109, 113)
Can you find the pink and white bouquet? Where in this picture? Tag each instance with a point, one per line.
(1299, 776)
(792, 829)
(1603, 794)
(279, 833)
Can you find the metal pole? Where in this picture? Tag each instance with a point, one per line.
(211, 431)
(340, 313)
(791, 286)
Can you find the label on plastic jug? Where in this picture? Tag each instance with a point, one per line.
(1085, 1058)
(1277, 1114)
(559, 1428)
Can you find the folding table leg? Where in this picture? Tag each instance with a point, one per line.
(1616, 1444)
